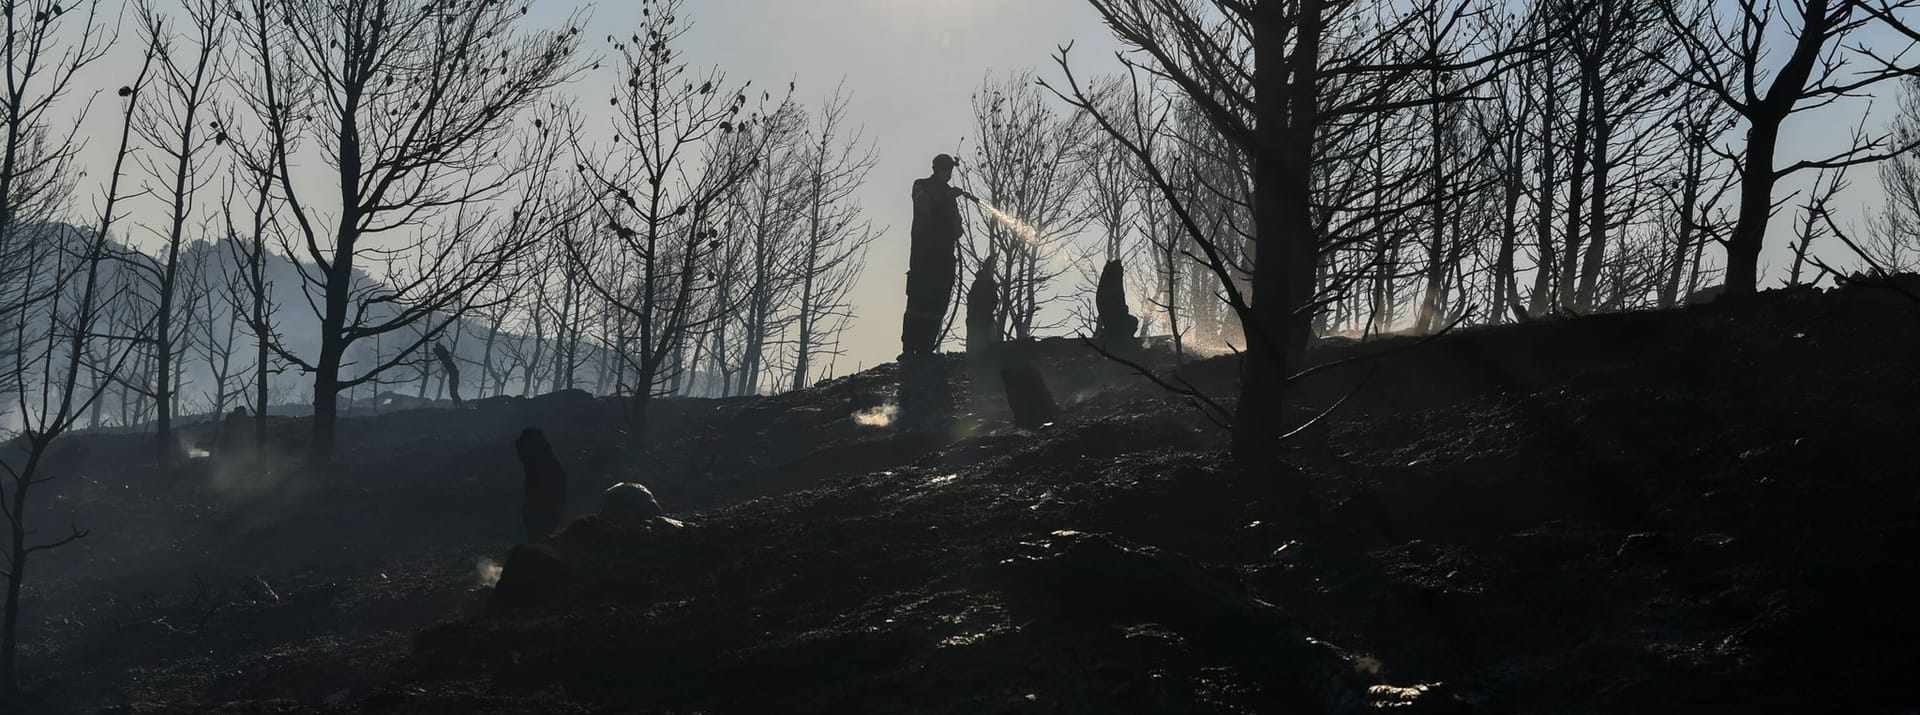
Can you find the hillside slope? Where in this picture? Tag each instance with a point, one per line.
(1682, 511)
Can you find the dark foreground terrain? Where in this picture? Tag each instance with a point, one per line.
(1712, 510)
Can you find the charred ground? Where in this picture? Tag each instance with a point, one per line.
(1700, 510)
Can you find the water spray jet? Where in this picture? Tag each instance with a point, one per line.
(1020, 229)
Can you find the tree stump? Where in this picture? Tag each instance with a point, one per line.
(983, 321)
(926, 396)
(1027, 396)
(1117, 324)
(545, 501)
(233, 444)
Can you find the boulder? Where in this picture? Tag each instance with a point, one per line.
(533, 574)
(629, 503)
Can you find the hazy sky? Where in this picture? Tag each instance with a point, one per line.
(911, 66)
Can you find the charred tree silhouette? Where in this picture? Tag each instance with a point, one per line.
(452, 370)
(567, 304)
(501, 302)
(1502, 125)
(1452, 158)
(1270, 77)
(1586, 174)
(1612, 53)
(1024, 166)
(835, 236)
(681, 145)
(767, 208)
(249, 293)
(1164, 241)
(174, 121)
(574, 251)
(720, 351)
(1110, 202)
(1727, 54)
(1620, 60)
(1112, 181)
(57, 290)
(793, 241)
(406, 102)
(1892, 240)
(212, 328)
(1810, 227)
(1703, 179)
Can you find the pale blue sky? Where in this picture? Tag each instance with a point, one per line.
(911, 66)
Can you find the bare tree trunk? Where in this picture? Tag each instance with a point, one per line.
(1596, 248)
(1504, 290)
(1576, 199)
(1689, 197)
(1436, 269)
(486, 359)
(1285, 250)
(333, 346)
(177, 125)
(59, 379)
(1756, 206)
(1547, 264)
(564, 325)
(262, 370)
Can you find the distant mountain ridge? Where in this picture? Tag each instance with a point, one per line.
(208, 265)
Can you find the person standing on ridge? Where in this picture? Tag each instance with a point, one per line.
(931, 269)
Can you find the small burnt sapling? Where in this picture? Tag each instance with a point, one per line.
(545, 502)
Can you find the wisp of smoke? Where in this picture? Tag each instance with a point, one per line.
(246, 477)
(488, 573)
(184, 444)
(879, 416)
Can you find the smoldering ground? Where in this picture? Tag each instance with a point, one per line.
(1463, 467)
